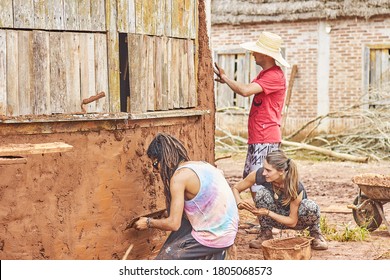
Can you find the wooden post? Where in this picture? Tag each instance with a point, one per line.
(32, 149)
(294, 71)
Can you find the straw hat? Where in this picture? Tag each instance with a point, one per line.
(268, 44)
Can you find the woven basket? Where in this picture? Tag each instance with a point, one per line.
(288, 248)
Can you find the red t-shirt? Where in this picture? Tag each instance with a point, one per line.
(266, 111)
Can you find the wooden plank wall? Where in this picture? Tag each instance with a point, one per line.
(376, 76)
(239, 65)
(3, 77)
(171, 18)
(70, 15)
(43, 70)
(380, 68)
(166, 79)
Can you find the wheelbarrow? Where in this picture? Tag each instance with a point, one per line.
(367, 208)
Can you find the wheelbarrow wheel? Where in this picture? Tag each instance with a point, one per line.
(367, 216)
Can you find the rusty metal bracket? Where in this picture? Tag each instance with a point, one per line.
(91, 99)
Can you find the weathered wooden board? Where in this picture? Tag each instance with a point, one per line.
(6, 14)
(183, 85)
(170, 67)
(71, 21)
(12, 160)
(138, 17)
(242, 76)
(225, 95)
(385, 76)
(189, 22)
(161, 73)
(40, 15)
(24, 14)
(152, 17)
(148, 18)
(41, 73)
(98, 22)
(183, 18)
(336, 209)
(112, 55)
(192, 91)
(30, 149)
(134, 51)
(150, 73)
(12, 73)
(58, 89)
(72, 72)
(25, 72)
(55, 14)
(168, 18)
(177, 18)
(158, 71)
(175, 74)
(126, 16)
(165, 81)
(3, 71)
(84, 14)
(372, 69)
(87, 68)
(144, 74)
(160, 17)
(101, 75)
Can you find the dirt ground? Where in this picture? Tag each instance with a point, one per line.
(329, 183)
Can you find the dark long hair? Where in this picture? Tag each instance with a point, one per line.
(281, 162)
(169, 152)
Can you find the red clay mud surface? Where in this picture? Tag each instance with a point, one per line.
(330, 185)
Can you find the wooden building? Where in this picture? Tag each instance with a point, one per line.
(84, 88)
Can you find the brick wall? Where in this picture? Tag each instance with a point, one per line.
(347, 40)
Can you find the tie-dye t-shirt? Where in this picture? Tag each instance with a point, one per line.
(213, 212)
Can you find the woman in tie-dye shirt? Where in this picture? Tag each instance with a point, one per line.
(202, 212)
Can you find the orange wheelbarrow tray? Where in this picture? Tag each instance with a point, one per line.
(367, 208)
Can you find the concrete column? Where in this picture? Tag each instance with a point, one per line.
(323, 66)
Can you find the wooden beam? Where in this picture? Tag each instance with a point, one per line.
(30, 149)
(342, 209)
(12, 160)
(325, 151)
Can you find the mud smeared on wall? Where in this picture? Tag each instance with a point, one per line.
(76, 205)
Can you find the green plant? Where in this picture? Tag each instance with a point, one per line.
(326, 228)
(348, 233)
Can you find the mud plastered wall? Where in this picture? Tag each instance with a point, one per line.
(76, 205)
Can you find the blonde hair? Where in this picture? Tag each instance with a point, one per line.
(278, 160)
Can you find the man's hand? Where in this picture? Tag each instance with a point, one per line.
(219, 72)
(141, 224)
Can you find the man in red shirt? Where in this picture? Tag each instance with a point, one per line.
(269, 89)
